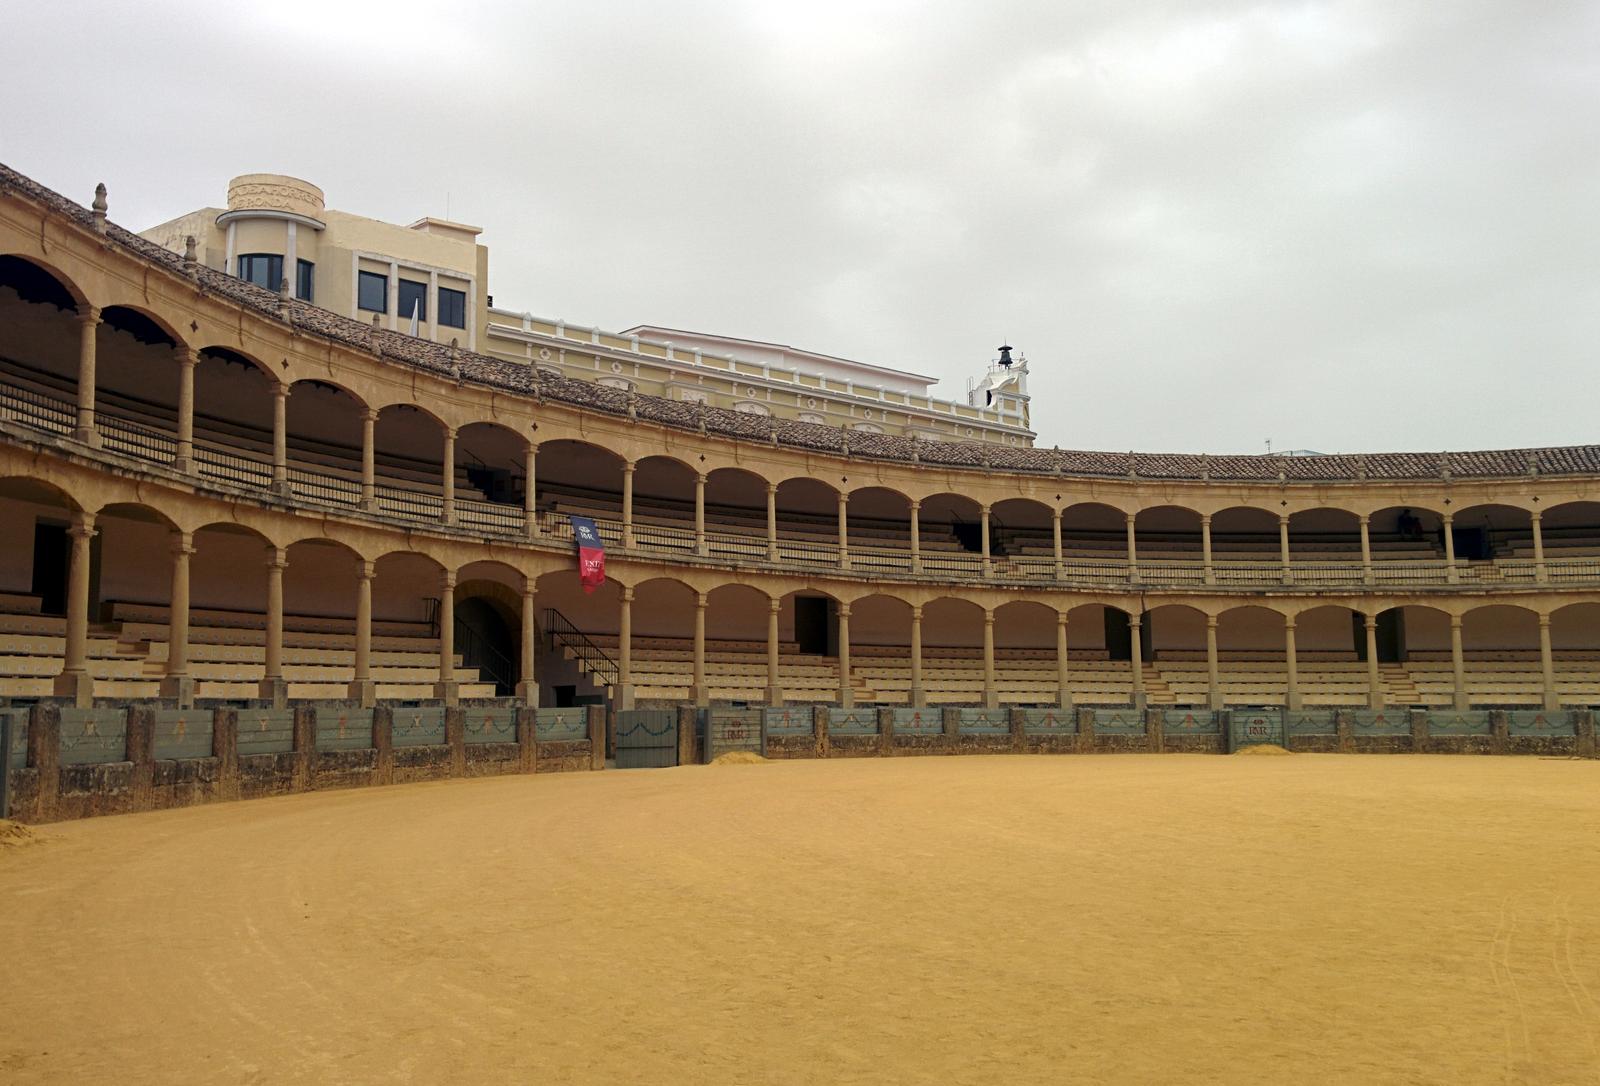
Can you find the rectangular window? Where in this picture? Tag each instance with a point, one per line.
(372, 292)
(413, 298)
(262, 269)
(305, 280)
(452, 307)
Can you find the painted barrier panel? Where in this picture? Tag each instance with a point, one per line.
(1540, 722)
(985, 722)
(1190, 722)
(1118, 722)
(340, 728)
(1049, 722)
(419, 727)
(786, 721)
(918, 722)
(566, 725)
(267, 731)
(183, 733)
(1459, 722)
(1311, 722)
(1379, 722)
(1248, 727)
(734, 729)
(852, 722)
(18, 758)
(93, 735)
(489, 725)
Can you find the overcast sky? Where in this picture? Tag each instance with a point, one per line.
(1339, 226)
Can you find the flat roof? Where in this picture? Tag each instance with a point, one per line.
(641, 329)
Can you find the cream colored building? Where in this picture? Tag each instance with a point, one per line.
(278, 229)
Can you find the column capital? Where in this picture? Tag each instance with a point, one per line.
(985, 507)
(88, 314)
(1535, 514)
(774, 605)
(1283, 520)
(1061, 616)
(844, 498)
(1364, 520)
(1369, 620)
(628, 467)
(916, 614)
(1544, 621)
(844, 610)
(914, 505)
(82, 526)
(1288, 622)
(277, 558)
(701, 599)
(280, 391)
(365, 570)
(370, 415)
(1447, 517)
(1455, 622)
(185, 355)
(450, 433)
(699, 478)
(627, 593)
(1205, 519)
(1211, 622)
(447, 579)
(988, 616)
(182, 543)
(1135, 621)
(772, 490)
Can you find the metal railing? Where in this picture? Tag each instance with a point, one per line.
(38, 409)
(591, 657)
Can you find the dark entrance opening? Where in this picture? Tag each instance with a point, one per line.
(486, 642)
(51, 553)
(811, 624)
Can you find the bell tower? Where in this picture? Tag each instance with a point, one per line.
(1003, 388)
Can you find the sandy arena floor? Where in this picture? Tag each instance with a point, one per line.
(1300, 920)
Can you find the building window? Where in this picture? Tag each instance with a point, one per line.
(413, 298)
(372, 292)
(305, 280)
(452, 307)
(262, 269)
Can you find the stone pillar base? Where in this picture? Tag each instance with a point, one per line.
(1552, 702)
(991, 699)
(369, 505)
(274, 691)
(1292, 702)
(90, 438)
(364, 693)
(700, 695)
(622, 696)
(528, 693)
(449, 693)
(916, 697)
(183, 465)
(1375, 701)
(76, 685)
(180, 687)
(775, 695)
(1214, 702)
(281, 488)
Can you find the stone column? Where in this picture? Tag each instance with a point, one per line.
(1366, 550)
(1136, 646)
(1292, 662)
(363, 690)
(175, 683)
(1375, 697)
(1458, 665)
(447, 690)
(88, 325)
(1213, 667)
(916, 537)
(622, 696)
(1205, 549)
(627, 505)
(75, 682)
(1133, 552)
(847, 696)
(1451, 576)
(1055, 543)
(1539, 573)
(700, 513)
(1547, 664)
(844, 530)
(280, 438)
(916, 657)
(698, 692)
(530, 471)
(183, 457)
(1064, 697)
(369, 473)
(772, 523)
(448, 487)
(774, 688)
(273, 687)
(987, 565)
(991, 692)
(1283, 548)
(528, 686)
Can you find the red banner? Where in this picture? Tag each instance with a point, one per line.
(591, 553)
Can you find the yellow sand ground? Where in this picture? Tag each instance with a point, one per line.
(942, 920)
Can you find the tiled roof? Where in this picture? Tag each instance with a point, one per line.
(549, 386)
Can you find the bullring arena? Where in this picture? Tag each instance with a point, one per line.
(259, 551)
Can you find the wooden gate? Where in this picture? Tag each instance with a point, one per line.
(647, 738)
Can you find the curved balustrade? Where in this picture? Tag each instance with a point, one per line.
(321, 485)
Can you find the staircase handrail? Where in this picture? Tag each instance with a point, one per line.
(558, 626)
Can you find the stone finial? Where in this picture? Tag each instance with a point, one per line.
(98, 208)
(1361, 466)
(189, 258)
(1444, 466)
(1533, 463)
(1133, 465)
(1205, 467)
(283, 289)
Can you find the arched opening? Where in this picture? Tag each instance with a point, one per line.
(951, 530)
(952, 652)
(1094, 543)
(663, 643)
(1500, 649)
(808, 522)
(1575, 652)
(576, 478)
(664, 504)
(1482, 533)
(1245, 546)
(1176, 634)
(1169, 544)
(323, 437)
(736, 513)
(1027, 670)
(488, 623)
(1330, 651)
(1251, 657)
(1414, 655)
(491, 476)
(1407, 545)
(320, 586)
(408, 461)
(233, 417)
(1325, 547)
(880, 654)
(736, 645)
(1020, 536)
(35, 552)
(880, 529)
(579, 630)
(39, 355)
